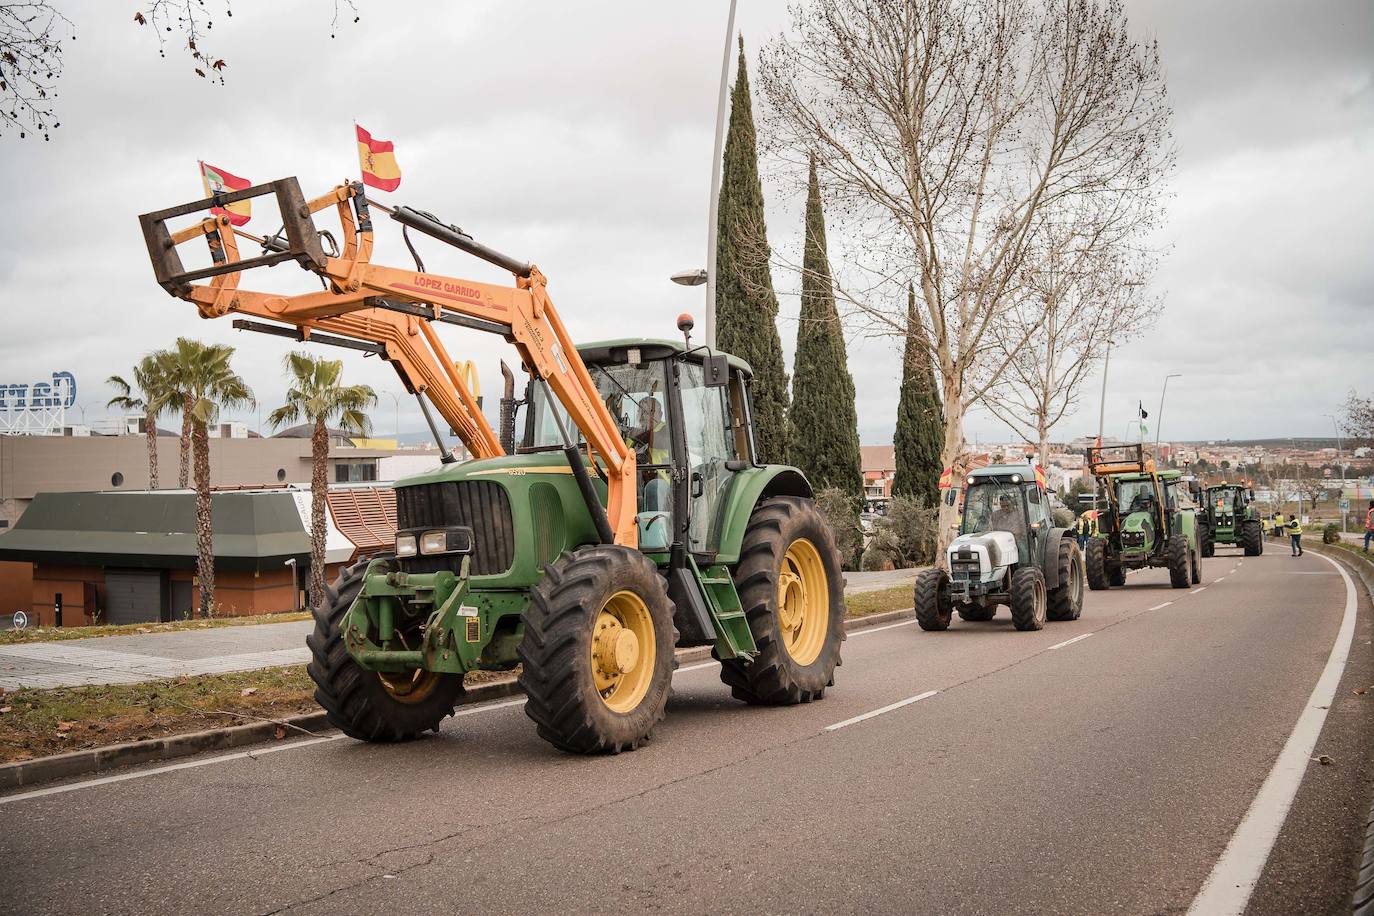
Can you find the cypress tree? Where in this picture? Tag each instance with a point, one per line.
(825, 428)
(920, 417)
(746, 307)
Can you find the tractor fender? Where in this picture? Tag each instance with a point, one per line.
(749, 487)
(1049, 558)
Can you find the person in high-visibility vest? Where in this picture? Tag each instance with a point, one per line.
(1084, 529)
(1295, 532)
(1278, 524)
(1369, 526)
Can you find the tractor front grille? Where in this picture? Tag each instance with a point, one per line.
(481, 505)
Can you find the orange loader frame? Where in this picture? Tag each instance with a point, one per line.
(390, 312)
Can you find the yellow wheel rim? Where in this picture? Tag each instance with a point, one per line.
(803, 602)
(410, 687)
(622, 652)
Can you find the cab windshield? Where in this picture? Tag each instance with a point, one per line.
(1135, 495)
(995, 506)
(635, 397)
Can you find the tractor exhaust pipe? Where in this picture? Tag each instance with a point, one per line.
(506, 427)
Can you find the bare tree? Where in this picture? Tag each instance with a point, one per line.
(1358, 419)
(31, 48)
(31, 37)
(943, 129)
(1087, 288)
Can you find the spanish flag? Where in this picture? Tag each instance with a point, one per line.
(380, 170)
(218, 181)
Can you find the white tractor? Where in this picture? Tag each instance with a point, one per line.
(1007, 552)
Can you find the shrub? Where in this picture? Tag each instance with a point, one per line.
(841, 512)
(913, 528)
(1331, 534)
(882, 551)
(1062, 518)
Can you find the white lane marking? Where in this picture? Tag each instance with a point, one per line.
(1069, 642)
(1227, 890)
(888, 626)
(1196, 590)
(878, 712)
(1219, 579)
(697, 666)
(487, 707)
(1158, 606)
(192, 764)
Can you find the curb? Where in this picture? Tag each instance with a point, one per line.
(1362, 898)
(114, 756)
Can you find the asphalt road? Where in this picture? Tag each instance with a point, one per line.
(1036, 773)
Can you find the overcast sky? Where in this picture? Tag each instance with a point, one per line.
(578, 136)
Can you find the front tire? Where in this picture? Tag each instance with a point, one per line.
(1096, 565)
(364, 704)
(976, 613)
(1206, 540)
(792, 590)
(598, 650)
(1252, 537)
(1177, 553)
(1028, 602)
(934, 605)
(1065, 602)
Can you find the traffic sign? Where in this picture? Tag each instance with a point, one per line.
(1344, 504)
(21, 620)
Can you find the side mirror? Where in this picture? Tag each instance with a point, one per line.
(949, 497)
(716, 371)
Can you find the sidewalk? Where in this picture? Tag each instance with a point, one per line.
(146, 657)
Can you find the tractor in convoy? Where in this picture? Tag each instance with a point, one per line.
(1149, 519)
(1008, 553)
(1231, 518)
(631, 515)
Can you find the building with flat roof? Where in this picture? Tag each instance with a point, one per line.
(130, 556)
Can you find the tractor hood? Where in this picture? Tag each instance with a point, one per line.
(1137, 530)
(994, 549)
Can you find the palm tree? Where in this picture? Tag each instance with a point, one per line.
(317, 397)
(207, 384)
(155, 397)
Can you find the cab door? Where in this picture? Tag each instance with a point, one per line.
(710, 435)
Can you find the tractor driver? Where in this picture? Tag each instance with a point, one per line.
(651, 444)
(1007, 517)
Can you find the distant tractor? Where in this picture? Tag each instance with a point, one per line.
(1008, 553)
(1232, 519)
(1149, 520)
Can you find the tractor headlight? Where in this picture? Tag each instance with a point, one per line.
(446, 540)
(970, 480)
(405, 545)
(1015, 478)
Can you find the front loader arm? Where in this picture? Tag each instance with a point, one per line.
(391, 311)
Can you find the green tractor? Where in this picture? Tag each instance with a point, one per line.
(1149, 520)
(498, 563)
(1232, 519)
(1007, 552)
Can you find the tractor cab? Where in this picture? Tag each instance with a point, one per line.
(684, 413)
(1006, 500)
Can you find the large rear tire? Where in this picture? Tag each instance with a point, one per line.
(597, 652)
(1252, 538)
(792, 590)
(934, 605)
(1096, 564)
(1176, 555)
(1065, 601)
(1028, 600)
(365, 704)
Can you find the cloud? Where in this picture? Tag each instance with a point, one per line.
(578, 136)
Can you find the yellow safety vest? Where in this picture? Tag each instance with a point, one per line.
(1294, 526)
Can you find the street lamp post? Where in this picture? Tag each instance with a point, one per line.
(295, 585)
(1159, 420)
(709, 331)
